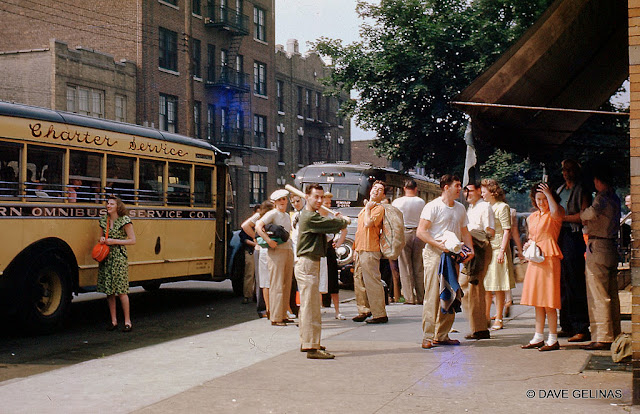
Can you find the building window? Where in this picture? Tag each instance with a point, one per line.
(196, 7)
(301, 149)
(340, 120)
(310, 150)
(196, 59)
(168, 113)
(258, 187)
(211, 63)
(259, 128)
(224, 124)
(300, 100)
(280, 96)
(259, 24)
(280, 146)
(318, 104)
(197, 108)
(172, 2)
(121, 108)
(85, 101)
(260, 78)
(307, 101)
(211, 122)
(168, 49)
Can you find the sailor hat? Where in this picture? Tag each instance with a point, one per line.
(278, 194)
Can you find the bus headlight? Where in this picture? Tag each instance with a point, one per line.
(344, 253)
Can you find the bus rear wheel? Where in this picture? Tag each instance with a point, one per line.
(47, 296)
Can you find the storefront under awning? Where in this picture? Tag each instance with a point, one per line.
(574, 57)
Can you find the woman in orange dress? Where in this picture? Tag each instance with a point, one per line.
(542, 281)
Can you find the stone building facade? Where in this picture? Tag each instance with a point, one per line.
(78, 80)
(308, 127)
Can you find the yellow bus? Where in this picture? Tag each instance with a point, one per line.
(57, 168)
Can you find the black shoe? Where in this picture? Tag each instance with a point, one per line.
(361, 317)
(112, 327)
(565, 334)
(382, 319)
(479, 335)
(245, 301)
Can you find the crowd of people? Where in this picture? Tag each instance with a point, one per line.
(466, 252)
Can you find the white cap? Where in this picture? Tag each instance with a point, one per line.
(278, 194)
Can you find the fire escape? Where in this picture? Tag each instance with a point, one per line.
(227, 78)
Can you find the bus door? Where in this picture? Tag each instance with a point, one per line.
(223, 194)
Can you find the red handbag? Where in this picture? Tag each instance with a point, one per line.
(101, 251)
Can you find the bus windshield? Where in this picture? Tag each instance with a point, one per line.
(347, 192)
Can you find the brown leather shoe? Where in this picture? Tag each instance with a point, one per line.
(447, 342)
(597, 346)
(580, 337)
(479, 335)
(319, 354)
(279, 323)
(533, 346)
(361, 317)
(382, 319)
(553, 347)
(427, 344)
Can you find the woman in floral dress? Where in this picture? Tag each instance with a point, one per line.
(113, 272)
(500, 277)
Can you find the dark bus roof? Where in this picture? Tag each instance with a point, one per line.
(356, 168)
(50, 115)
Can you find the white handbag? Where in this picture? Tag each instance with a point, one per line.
(533, 253)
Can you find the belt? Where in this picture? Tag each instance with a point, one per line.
(410, 228)
(602, 238)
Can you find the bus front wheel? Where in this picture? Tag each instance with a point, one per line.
(47, 296)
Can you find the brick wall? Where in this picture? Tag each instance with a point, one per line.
(634, 73)
(25, 77)
(315, 136)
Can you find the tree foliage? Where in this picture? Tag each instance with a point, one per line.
(414, 57)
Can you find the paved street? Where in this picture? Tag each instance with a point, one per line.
(253, 367)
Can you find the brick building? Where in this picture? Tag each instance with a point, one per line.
(85, 81)
(222, 91)
(362, 152)
(308, 126)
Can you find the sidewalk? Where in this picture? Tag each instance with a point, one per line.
(257, 368)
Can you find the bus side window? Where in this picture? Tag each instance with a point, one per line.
(202, 186)
(178, 189)
(151, 182)
(84, 177)
(120, 177)
(46, 183)
(9, 169)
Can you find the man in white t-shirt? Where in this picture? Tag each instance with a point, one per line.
(280, 259)
(482, 228)
(438, 216)
(410, 259)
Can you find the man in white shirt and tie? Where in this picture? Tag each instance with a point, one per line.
(481, 226)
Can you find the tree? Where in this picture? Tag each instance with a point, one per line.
(414, 57)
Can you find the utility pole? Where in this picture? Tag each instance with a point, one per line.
(189, 64)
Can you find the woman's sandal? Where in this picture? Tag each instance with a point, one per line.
(497, 325)
(112, 327)
(127, 328)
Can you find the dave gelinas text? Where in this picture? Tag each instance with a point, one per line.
(587, 394)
